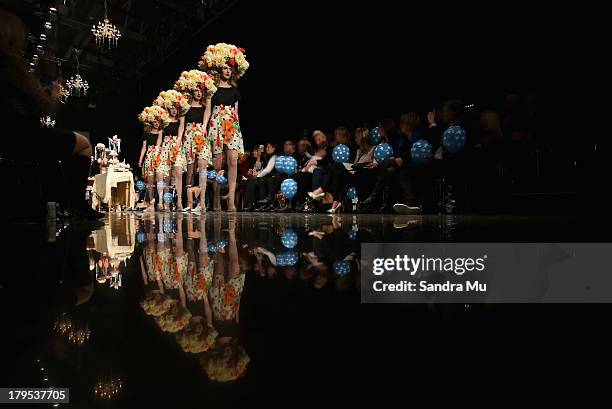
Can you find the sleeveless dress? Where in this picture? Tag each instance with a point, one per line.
(197, 143)
(172, 152)
(151, 159)
(224, 128)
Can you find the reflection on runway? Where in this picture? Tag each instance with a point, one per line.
(184, 310)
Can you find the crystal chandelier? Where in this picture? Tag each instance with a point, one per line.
(107, 35)
(47, 122)
(108, 389)
(77, 86)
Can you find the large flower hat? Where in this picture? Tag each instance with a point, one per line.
(191, 80)
(220, 55)
(154, 113)
(173, 99)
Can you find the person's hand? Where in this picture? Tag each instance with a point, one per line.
(140, 164)
(399, 161)
(254, 173)
(431, 117)
(371, 165)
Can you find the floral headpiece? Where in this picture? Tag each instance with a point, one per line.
(220, 55)
(154, 113)
(173, 99)
(191, 80)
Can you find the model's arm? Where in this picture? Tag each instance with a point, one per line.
(181, 129)
(160, 138)
(236, 110)
(142, 153)
(207, 112)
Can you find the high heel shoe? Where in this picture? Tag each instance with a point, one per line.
(335, 210)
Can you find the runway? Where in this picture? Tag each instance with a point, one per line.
(215, 310)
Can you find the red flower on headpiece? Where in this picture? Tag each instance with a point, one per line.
(232, 62)
(242, 50)
(177, 105)
(202, 85)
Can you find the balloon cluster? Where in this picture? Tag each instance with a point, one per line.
(141, 186)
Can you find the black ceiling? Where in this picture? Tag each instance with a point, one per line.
(152, 30)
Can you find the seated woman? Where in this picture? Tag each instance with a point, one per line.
(312, 172)
(22, 104)
(342, 175)
(256, 186)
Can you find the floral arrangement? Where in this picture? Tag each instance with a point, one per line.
(191, 80)
(173, 99)
(225, 362)
(154, 113)
(176, 319)
(156, 304)
(220, 55)
(197, 337)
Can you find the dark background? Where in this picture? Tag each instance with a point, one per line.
(317, 65)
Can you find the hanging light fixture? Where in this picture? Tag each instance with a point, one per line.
(77, 86)
(64, 92)
(47, 122)
(107, 34)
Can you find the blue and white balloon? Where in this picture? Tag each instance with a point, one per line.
(341, 153)
(169, 226)
(168, 197)
(383, 152)
(454, 139)
(290, 166)
(342, 267)
(421, 152)
(289, 188)
(289, 238)
(141, 186)
(351, 193)
(141, 237)
(352, 234)
(287, 258)
(211, 174)
(375, 136)
(222, 244)
(279, 163)
(221, 179)
(211, 248)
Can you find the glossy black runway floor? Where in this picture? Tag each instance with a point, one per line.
(174, 310)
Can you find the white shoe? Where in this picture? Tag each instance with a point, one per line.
(402, 208)
(197, 209)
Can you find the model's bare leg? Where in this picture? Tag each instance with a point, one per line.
(202, 165)
(232, 173)
(217, 163)
(178, 177)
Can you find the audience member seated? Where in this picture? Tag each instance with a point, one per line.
(257, 186)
